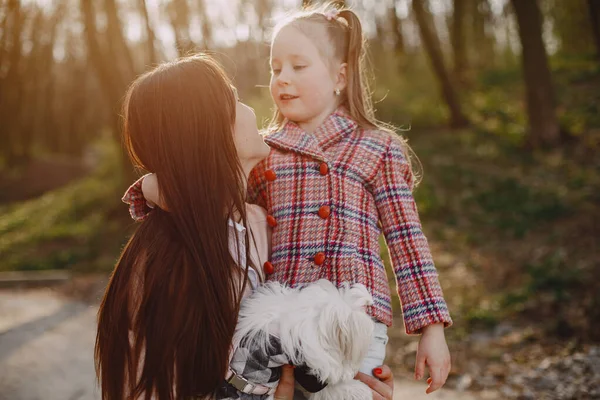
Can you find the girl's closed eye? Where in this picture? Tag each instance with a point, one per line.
(299, 67)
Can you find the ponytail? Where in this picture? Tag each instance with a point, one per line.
(358, 95)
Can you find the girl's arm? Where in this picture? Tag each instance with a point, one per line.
(419, 289)
(257, 186)
(151, 192)
(139, 207)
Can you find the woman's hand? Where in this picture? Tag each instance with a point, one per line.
(382, 385)
(433, 352)
(285, 388)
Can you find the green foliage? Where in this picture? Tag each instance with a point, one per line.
(556, 275)
(69, 227)
(571, 25)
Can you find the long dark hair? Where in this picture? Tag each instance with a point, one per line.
(168, 316)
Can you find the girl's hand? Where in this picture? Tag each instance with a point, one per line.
(383, 386)
(433, 352)
(285, 388)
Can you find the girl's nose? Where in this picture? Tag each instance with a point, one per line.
(283, 78)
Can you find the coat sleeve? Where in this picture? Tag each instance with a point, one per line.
(134, 197)
(417, 281)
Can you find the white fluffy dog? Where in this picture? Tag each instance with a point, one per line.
(320, 327)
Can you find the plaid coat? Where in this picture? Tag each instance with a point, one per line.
(329, 195)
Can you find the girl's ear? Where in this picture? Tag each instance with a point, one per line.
(342, 77)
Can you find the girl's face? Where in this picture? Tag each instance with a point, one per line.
(302, 84)
(250, 146)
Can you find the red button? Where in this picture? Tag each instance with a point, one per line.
(271, 221)
(324, 168)
(319, 258)
(270, 175)
(268, 267)
(324, 212)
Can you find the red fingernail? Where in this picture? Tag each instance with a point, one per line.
(378, 371)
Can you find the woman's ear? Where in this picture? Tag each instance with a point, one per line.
(341, 80)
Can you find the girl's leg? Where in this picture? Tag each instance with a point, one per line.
(376, 354)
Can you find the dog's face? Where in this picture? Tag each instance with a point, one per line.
(344, 330)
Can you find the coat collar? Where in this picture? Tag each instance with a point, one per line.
(293, 138)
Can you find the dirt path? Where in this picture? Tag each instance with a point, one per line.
(46, 350)
(46, 347)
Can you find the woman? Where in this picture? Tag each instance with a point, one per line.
(168, 316)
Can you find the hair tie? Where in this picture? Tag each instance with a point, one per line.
(331, 14)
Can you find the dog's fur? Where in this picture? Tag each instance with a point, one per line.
(319, 326)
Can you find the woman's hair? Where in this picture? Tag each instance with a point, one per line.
(345, 44)
(168, 316)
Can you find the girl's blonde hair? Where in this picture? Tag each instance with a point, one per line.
(345, 44)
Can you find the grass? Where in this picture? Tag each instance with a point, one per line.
(524, 223)
(70, 227)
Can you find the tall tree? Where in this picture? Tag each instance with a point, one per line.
(431, 43)
(179, 13)
(571, 25)
(207, 34)
(150, 36)
(482, 41)
(31, 86)
(594, 6)
(262, 8)
(110, 79)
(11, 83)
(540, 94)
(117, 44)
(397, 32)
(457, 37)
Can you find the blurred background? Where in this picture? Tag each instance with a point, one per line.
(499, 99)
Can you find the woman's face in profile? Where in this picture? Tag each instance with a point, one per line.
(249, 144)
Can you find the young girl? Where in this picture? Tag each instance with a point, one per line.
(336, 178)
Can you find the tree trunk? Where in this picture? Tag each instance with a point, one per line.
(3, 33)
(207, 38)
(12, 85)
(262, 9)
(108, 82)
(150, 36)
(432, 46)
(28, 108)
(594, 6)
(397, 30)
(179, 14)
(457, 36)
(483, 43)
(109, 79)
(121, 53)
(540, 94)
